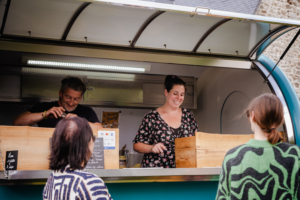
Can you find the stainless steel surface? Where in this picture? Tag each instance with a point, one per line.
(41, 86)
(114, 91)
(131, 174)
(10, 86)
(104, 89)
(287, 117)
(191, 10)
(2, 175)
(134, 172)
(29, 174)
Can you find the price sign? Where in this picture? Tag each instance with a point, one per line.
(11, 160)
(97, 159)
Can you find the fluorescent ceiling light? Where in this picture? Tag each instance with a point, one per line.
(87, 66)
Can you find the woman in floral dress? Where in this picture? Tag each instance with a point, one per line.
(160, 127)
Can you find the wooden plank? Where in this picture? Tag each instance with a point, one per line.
(212, 148)
(185, 152)
(33, 145)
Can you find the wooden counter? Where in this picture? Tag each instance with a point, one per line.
(33, 145)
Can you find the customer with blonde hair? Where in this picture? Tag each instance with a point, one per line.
(264, 167)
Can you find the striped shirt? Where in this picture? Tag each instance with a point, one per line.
(73, 185)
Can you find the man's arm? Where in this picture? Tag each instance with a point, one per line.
(27, 118)
(95, 125)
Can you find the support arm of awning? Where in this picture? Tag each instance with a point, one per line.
(261, 46)
(5, 17)
(285, 51)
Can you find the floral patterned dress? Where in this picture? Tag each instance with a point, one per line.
(155, 130)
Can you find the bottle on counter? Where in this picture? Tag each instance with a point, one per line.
(131, 158)
(122, 161)
(123, 157)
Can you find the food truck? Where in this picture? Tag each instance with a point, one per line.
(122, 50)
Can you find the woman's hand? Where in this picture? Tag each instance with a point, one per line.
(158, 148)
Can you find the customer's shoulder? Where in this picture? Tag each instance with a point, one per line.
(90, 180)
(236, 149)
(75, 173)
(287, 147)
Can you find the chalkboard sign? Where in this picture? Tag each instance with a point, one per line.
(97, 159)
(11, 160)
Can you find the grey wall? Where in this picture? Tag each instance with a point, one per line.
(223, 95)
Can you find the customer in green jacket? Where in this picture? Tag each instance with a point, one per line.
(264, 167)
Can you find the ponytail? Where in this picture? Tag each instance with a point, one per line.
(274, 136)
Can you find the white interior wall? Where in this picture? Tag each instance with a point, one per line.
(234, 87)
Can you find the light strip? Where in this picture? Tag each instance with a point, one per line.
(85, 66)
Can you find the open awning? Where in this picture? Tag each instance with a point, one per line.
(140, 24)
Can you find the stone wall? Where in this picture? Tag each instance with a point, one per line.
(290, 65)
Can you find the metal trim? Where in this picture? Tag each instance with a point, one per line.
(266, 38)
(191, 10)
(207, 33)
(4, 17)
(127, 175)
(144, 26)
(73, 19)
(277, 90)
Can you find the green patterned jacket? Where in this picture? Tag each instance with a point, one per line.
(259, 170)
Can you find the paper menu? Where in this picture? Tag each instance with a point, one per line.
(109, 139)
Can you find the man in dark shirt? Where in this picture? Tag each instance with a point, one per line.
(49, 114)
